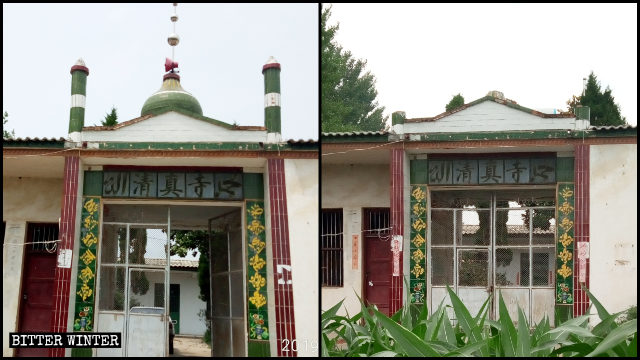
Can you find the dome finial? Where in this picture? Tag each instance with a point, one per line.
(173, 38)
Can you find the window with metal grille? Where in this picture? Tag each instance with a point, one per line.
(331, 247)
(40, 237)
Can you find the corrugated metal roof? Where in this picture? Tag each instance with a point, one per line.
(34, 140)
(355, 133)
(174, 262)
(302, 141)
(611, 127)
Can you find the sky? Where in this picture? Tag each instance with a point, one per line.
(221, 53)
(536, 54)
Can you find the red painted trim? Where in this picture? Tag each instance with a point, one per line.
(79, 67)
(397, 223)
(62, 279)
(171, 168)
(270, 66)
(581, 226)
(171, 76)
(283, 287)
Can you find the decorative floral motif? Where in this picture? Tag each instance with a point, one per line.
(566, 193)
(255, 210)
(566, 224)
(418, 209)
(258, 300)
(91, 206)
(257, 281)
(84, 292)
(565, 255)
(90, 223)
(87, 257)
(417, 255)
(256, 227)
(257, 262)
(86, 275)
(418, 194)
(418, 240)
(417, 270)
(417, 293)
(565, 239)
(90, 239)
(566, 208)
(564, 271)
(419, 225)
(257, 245)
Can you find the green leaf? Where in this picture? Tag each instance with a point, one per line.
(570, 330)
(581, 349)
(465, 320)
(616, 337)
(449, 333)
(385, 353)
(524, 345)
(508, 335)
(327, 315)
(632, 349)
(408, 341)
(468, 350)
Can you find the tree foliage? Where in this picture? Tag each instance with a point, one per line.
(110, 119)
(603, 109)
(5, 133)
(455, 102)
(348, 91)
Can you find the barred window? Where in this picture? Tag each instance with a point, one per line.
(331, 247)
(41, 237)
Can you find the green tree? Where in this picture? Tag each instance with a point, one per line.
(348, 93)
(603, 109)
(455, 102)
(110, 119)
(5, 133)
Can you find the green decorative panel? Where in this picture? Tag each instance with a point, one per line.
(257, 348)
(564, 245)
(87, 255)
(253, 186)
(419, 172)
(564, 168)
(92, 185)
(418, 246)
(257, 271)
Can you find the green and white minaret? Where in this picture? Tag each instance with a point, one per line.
(79, 73)
(271, 72)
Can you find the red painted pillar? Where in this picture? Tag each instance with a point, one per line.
(283, 287)
(581, 226)
(397, 228)
(67, 232)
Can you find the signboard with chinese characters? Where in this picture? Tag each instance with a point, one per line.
(492, 171)
(172, 184)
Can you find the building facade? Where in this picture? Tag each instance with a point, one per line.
(488, 198)
(88, 221)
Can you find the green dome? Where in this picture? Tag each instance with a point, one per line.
(171, 96)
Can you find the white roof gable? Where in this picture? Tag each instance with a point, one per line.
(489, 116)
(172, 127)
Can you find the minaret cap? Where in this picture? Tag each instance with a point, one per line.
(80, 65)
(272, 63)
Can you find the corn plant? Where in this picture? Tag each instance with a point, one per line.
(413, 332)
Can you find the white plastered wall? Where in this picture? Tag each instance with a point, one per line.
(352, 187)
(301, 179)
(614, 225)
(23, 200)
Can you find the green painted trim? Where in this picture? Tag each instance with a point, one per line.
(53, 144)
(272, 80)
(563, 313)
(253, 185)
(92, 185)
(256, 276)
(272, 119)
(565, 220)
(256, 348)
(162, 102)
(355, 139)
(419, 171)
(206, 146)
(76, 119)
(564, 169)
(81, 352)
(79, 83)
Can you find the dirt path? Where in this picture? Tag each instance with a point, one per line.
(190, 346)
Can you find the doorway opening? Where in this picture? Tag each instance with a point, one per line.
(161, 301)
(483, 241)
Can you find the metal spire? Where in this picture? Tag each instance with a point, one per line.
(173, 38)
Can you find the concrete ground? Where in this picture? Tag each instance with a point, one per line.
(184, 346)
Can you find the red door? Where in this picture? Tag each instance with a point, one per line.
(378, 257)
(36, 304)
